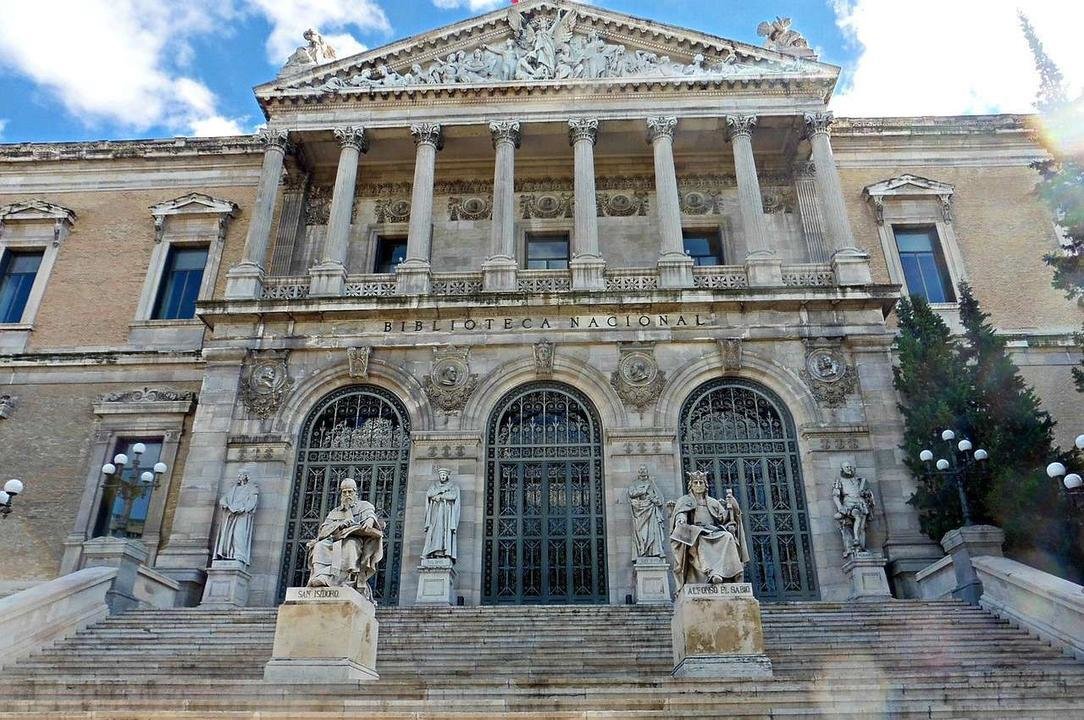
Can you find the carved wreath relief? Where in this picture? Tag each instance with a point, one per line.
(638, 379)
(450, 382)
(828, 376)
(264, 383)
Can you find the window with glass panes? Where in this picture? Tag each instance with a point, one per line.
(17, 273)
(924, 269)
(703, 246)
(120, 516)
(181, 280)
(390, 251)
(547, 251)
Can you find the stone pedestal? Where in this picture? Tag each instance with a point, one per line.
(436, 582)
(675, 271)
(969, 542)
(652, 576)
(227, 585)
(324, 635)
(764, 271)
(413, 277)
(124, 554)
(866, 571)
(851, 269)
(587, 272)
(499, 274)
(328, 279)
(244, 281)
(717, 632)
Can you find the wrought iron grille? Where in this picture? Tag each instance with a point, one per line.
(545, 535)
(743, 437)
(361, 432)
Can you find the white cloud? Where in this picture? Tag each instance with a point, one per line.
(472, 5)
(3, 125)
(942, 57)
(290, 19)
(113, 60)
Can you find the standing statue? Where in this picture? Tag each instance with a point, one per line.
(854, 503)
(647, 517)
(234, 541)
(441, 517)
(350, 544)
(707, 536)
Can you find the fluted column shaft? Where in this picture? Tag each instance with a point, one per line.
(829, 187)
(263, 209)
(582, 135)
(668, 206)
(412, 275)
(352, 144)
(506, 138)
(750, 202)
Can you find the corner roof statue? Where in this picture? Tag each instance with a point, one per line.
(316, 52)
(779, 37)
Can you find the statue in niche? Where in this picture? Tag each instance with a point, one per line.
(854, 504)
(349, 545)
(707, 536)
(647, 516)
(238, 505)
(441, 517)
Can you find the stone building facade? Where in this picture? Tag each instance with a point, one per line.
(540, 248)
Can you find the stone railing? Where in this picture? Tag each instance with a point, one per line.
(543, 281)
(371, 285)
(286, 287)
(632, 279)
(720, 277)
(808, 275)
(456, 284)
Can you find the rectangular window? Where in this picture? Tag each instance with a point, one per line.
(390, 251)
(924, 268)
(17, 273)
(181, 280)
(703, 246)
(123, 509)
(547, 251)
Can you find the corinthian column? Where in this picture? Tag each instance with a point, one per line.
(329, 276)
(763, 266)
(244, 281)
(675, 267)
(850, 264)
(499, 269)
(413, 273)
(586, 263)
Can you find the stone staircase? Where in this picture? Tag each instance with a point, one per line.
(901, 659)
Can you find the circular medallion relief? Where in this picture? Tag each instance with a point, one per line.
(449, 372)
(638, 368)
(267, 377)
(825, 365)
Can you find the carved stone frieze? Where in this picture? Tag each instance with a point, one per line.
(543, 357)
(357, 359)
(622, 204)
(474, 207)
(828, 375)
(778, 199)
(700, 202)
(265, 380)
(450, 382)
(317, 205)
(148, 394)
(546, 205)
(393, 210)
(638, 379)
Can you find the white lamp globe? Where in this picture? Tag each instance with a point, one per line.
(947, 435)
(109, 468)
(147, 477)
(160, 467)
(13, 486)
(120, 459)
(5, 499)
(1055, 469)
(1080, 442)
(139, 449)
(981, 454)
(964, 445)
(1072, 481)
(925, 456)
(942, 464)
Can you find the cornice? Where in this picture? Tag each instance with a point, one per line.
(127, 149)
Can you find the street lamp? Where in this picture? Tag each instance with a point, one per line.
(11, 488)
(957, 461)
(1073, 483)
(130, 488)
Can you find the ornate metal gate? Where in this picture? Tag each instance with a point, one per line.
(743, 437)
(361, 432)
(545, 537)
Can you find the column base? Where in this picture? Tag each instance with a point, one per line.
(675, 271)
(244, 281)
(866, 571)
(227, 585)
(652, 576)
(412, 277)
(587, 272)
(764, 271)
(965, 543)
(436, 582)
(851, 268)
(499, 274)
(717, 632)
(327, 280)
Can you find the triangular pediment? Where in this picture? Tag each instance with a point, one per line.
(194, 203)
(542, 43)
(906, 184)
(35, 210)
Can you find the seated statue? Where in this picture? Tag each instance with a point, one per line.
(707, 536)
(350, 544)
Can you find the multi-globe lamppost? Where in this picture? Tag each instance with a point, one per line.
(957, 462)
(131, 488)
(12, 488)
(1074, 485)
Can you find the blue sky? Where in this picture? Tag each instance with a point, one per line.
(106, 69)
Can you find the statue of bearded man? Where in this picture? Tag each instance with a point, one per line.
(350, 544)
(707, 537)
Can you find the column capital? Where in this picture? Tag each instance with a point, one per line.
(661, 127)
(352, 136)
(428, 134)
(582, 129)
(740, 125)
(505, 131)
(273, 138)
(819, 122)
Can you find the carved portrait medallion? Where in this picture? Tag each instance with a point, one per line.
(638, 379)
(450, 382)
(265, 380)
(828, 376)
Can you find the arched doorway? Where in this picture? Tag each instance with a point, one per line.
(742, 436)
(545, 535)
(361, 432)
